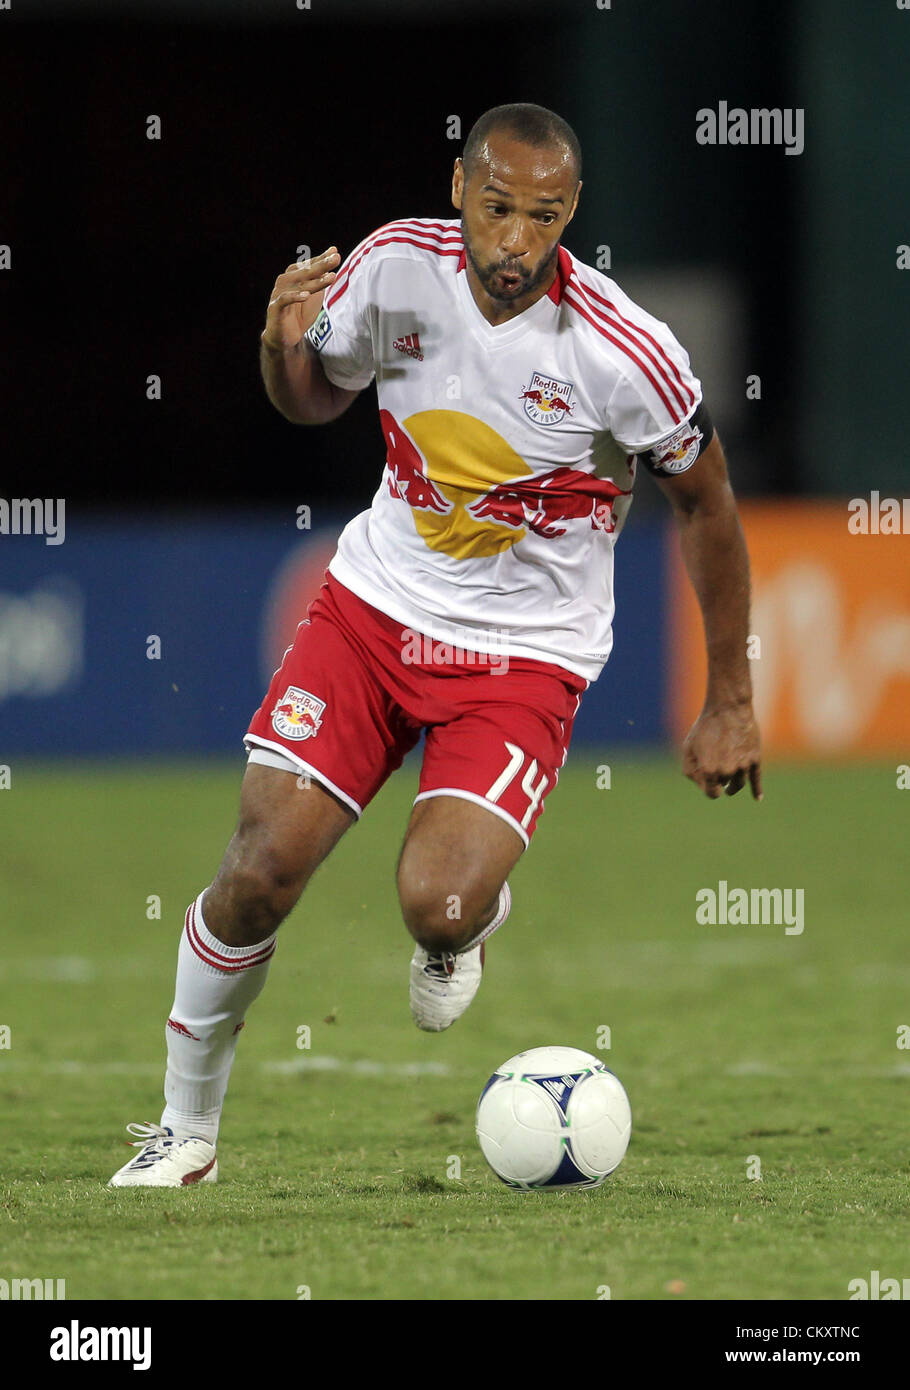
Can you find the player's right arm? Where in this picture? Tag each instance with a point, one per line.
(292, 373)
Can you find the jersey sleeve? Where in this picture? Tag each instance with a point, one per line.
(342, 333)
(656, 409)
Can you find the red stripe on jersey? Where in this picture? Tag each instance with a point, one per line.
(589, 294)
(439, 230)
(215, 958)
(386, 241)
(416, 224)
(582, 309)
(445, 237)
(433, 231)
(563, 271)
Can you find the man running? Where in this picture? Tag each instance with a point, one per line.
(518, 391)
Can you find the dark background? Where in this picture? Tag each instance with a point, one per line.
(283, 127)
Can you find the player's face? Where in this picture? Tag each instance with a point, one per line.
(514, 209)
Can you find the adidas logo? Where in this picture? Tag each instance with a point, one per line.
(182, 1029)
(409, 344)
(557, 1087)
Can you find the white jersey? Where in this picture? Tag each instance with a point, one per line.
(511, 449)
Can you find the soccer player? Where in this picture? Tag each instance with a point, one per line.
(519, 390)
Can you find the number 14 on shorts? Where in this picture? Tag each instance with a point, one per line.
(517, 758)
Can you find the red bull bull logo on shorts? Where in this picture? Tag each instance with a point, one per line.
(298, 714)
(546, 400)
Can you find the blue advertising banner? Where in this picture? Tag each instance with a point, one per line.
(137, 636)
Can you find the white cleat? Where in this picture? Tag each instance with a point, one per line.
(443, 984)
(164, 1160)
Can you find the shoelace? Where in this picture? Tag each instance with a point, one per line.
(148, 1134)
(440, 965)
(153, 1141)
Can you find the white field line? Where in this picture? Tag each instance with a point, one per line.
(628, 956)
(770, 1069)
(65, 970)
(363, 1067)
(73, 970)
(368, 1066)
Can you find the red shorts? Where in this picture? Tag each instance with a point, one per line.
(357, 688)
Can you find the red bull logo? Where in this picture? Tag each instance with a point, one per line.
(676, 454)
(546, 403)
(547, 400)
(472, 495)
(298, 714)
(540, 503)
(405, 471)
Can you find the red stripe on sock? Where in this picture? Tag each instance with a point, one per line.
(228, 964)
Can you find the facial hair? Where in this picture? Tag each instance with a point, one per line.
(530, 280)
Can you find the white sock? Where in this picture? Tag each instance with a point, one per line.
(502, 912)
(216, 984)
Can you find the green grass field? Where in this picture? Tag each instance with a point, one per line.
(732, 1041)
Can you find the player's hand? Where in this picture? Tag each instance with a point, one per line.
(722, 750)
(296, 299)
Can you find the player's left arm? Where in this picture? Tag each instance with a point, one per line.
(722, 749)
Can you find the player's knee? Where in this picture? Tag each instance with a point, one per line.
(261, 903)
(258, 885)
(432, 929)
(438, 918)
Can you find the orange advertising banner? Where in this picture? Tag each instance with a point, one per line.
(830, 632)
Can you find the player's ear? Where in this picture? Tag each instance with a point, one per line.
(457, 183)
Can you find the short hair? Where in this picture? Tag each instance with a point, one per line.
(533, 125)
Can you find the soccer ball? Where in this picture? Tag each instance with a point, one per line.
(551, 1118)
